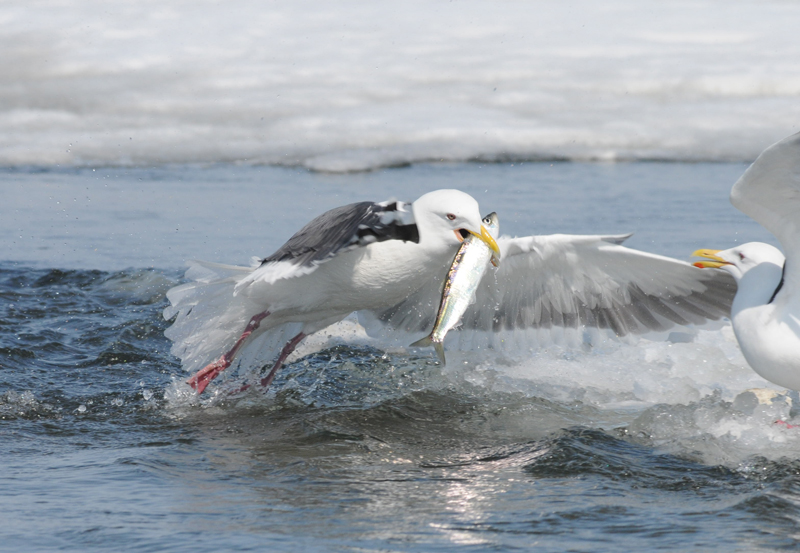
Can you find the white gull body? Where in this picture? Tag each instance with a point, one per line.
(358, 257)
(766, 310)
(388, 261)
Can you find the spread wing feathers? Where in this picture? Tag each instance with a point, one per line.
(335, 231)
(571, 282)
(593, 281)
(769, 191)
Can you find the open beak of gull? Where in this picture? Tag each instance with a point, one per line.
(485, 236)
(715, 260)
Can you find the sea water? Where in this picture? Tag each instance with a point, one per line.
(644, 444)
(135, 136)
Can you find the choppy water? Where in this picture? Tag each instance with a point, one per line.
(648, 445)
(641, 445)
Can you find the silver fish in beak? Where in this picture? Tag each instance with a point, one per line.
(463, 278)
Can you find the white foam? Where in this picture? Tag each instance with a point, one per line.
(697, 398)
(357, 85)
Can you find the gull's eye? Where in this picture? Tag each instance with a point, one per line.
(741, 257)
(451, 216)
(486, 220)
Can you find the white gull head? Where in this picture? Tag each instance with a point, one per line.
(756, 266)
(441, 215)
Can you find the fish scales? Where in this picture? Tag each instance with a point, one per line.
(462, 281)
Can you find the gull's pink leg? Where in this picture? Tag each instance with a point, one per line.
(204, 376)
(285, 352)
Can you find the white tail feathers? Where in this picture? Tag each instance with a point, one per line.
(208, 318)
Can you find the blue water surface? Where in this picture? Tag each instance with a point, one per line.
(357, 448)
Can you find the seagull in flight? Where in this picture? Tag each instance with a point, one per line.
(387, 262)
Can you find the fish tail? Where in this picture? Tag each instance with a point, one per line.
(423, 343)
(439, 347)
(427, 341)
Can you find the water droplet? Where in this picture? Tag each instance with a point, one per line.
(81, 409)
(147, 394)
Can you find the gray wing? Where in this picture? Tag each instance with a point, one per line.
(347, 227)
(769, 192)
(336, 231)
(589, 282)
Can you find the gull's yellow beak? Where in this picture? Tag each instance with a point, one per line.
(487, 238)
(709, 254)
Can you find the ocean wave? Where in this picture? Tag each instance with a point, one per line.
(87, 348)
